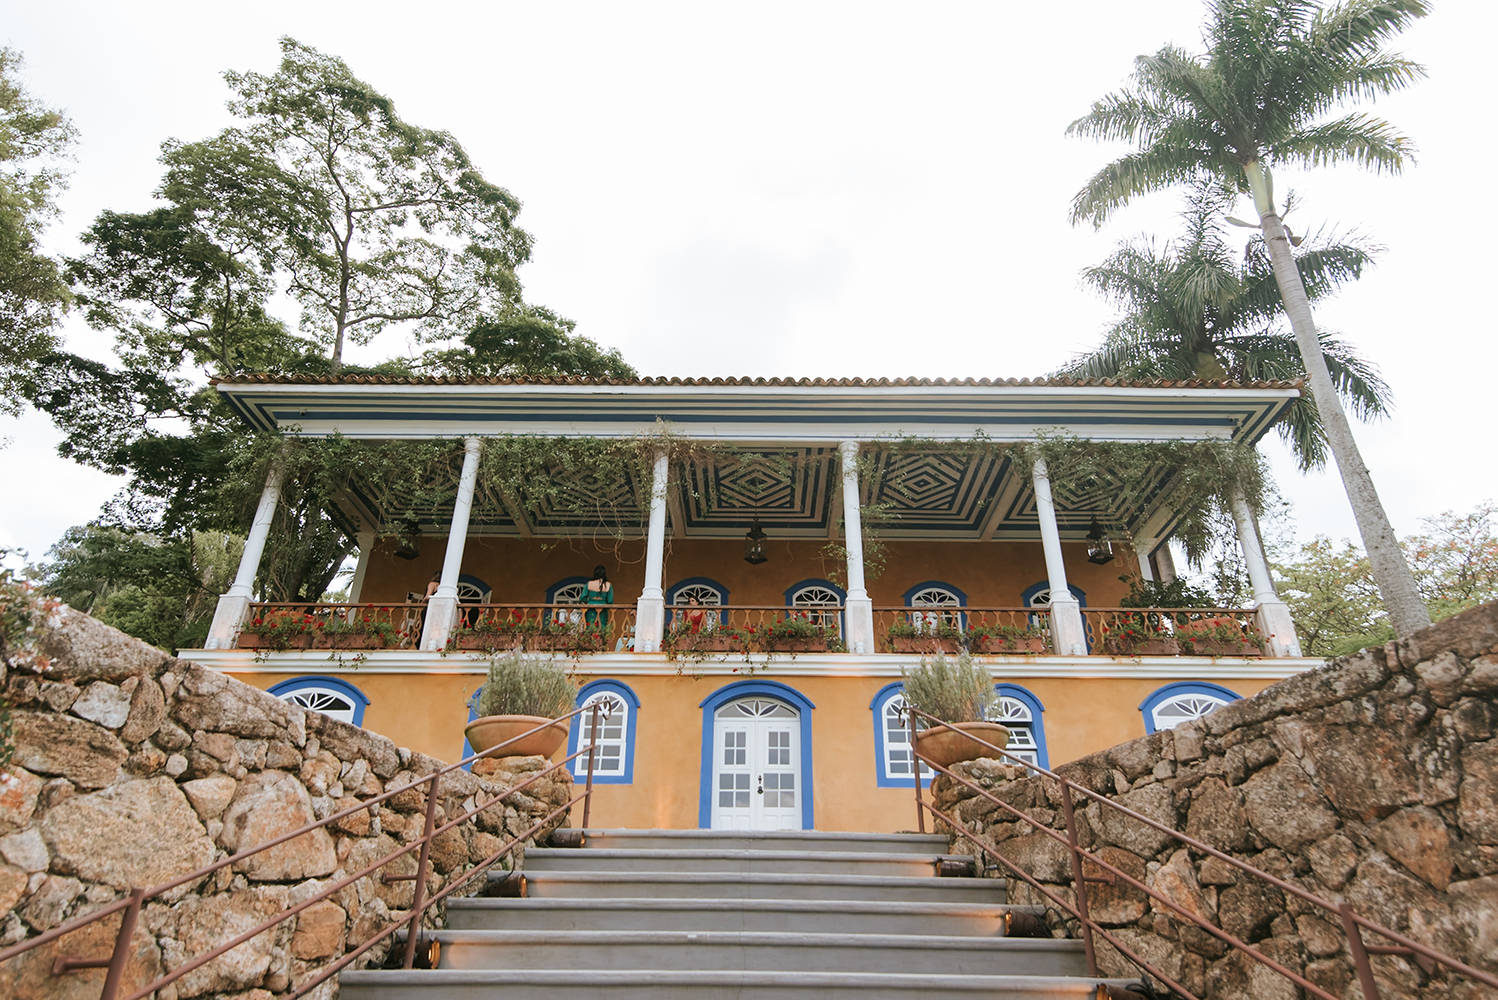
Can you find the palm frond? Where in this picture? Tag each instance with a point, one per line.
(1355, 138)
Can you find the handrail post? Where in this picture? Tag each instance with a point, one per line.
(592, 749)
(122, 946)
(915, 770)
(1077, 877)
(418, 895)
(1358, 952)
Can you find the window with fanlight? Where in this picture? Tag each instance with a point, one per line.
(935, 605)
(613, 762)
(1174, 704)
(332, 696)
(1017, 709)
(819, 601)
(1019, 712)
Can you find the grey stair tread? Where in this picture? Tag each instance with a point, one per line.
(643, 985)
(568, 914)
(773, 840)
(774, 951)
(792, 886)
(709, 858)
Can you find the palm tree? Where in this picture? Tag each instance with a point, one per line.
(1192, 310)
(1273, 69)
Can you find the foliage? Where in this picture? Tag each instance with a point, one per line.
(528, 342)
(366, 623)
(282, 628)
(959, 690)
(1272, 70)
(1128, 632)
(1204, 635)
(1178, 593)
(33, 294)
(1192, 311)
(794, 627)
(914, 626)
(524, 685)
(24, 612)
(1456, 559)
(1001, 638)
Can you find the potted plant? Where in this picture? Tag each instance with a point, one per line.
(918, 634)
(960, 692)
(568, 637)
(522, 692)
(1218, 635)
(492, 632)
(279, 629)
(696, 637)
(1137, 633)
(1006, 639)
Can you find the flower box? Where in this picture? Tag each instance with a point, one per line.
(992, 644)
(352, 640)
(706, 642)
(486, 640)
(249, 640)
(565, 642)
(922, 644)
(1146, 647)
(1218, 647)
(785, 645)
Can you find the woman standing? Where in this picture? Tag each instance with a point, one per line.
(598, 591)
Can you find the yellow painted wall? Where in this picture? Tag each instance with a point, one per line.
(1083, 715)
(992, 574)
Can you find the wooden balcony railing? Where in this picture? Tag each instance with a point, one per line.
(282, 625)
(545, 628)
(739, 628)
(950, 629)
(1172, 632)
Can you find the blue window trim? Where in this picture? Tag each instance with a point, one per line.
(1037, 720)
(877, 706)
(551, 592)
(472, 580)
(942, 584)
(323, 681)
(842, 598)
(1148, 705)
(696, 581)
(472, 715)
(1030, 592)
(748, 689)
(580, 766)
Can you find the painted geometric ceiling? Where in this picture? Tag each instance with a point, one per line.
(792, 493)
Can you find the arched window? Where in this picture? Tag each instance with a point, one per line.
(614, 763)
(940, 602)
(1039, 595)
(1019, 712)
(709, 594)
(892, 756)
(813, 594)
(568, 591)
(332, 696)
(472, 590)
(1174, 704)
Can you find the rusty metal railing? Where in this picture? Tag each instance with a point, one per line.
(131, 905)
(1353, 925)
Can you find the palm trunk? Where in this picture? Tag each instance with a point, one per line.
(1396, 584)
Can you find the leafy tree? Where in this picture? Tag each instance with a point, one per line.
(1456, 559)
(1193, 310)
(1257, 98)
(1332, 598)
(32, 292)
(532, 342)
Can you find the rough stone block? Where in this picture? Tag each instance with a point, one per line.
(103, 703)
(84, 753)
(1417, 838)
(1442, 675)
(82, 648)
(28, 976)
(1333, 860)
(1154, 801)
(319, 931)
(1364, 771)
(1285, 807)
(26, 850)
(267, 805)
(215, 703)
(19, 789)
(136, 833)
(1468, 634)
(203, 924)
(1217, 817)
(1477, 808)
(147, 712)
(210, 796)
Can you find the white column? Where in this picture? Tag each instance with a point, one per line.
(1142, 549)
(1271, 615)
(229, 615)
(442, 608)
(859, 609)
(1067, 633)
(650, 611)
(356, 585)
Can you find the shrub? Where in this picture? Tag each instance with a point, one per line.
(524, 685)
(959, 690)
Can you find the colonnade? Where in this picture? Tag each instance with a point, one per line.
(1068, 632)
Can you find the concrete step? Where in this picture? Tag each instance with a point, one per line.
(706, 951)
(748, 840)
(761, 885)
(809, 915)
(707, 858)
(733, 985)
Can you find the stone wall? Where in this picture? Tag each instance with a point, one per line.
(132, 768)
(1374, 779)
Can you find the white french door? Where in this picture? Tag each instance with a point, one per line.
(756, 766)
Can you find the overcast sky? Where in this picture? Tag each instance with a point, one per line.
(809, 189)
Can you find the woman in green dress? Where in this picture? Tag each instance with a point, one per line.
(598, 591)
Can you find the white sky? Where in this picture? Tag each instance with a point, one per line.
(808, 189)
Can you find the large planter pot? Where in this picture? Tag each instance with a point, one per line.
(993, 644)
(949, 744)
(922, 644)
(492, 730)
(248, 640)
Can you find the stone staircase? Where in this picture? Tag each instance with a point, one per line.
(699, 913)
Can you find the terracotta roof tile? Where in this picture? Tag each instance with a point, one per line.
(265, 379)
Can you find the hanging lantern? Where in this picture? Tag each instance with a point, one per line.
(1099, 548)
(754, 545)
(410, 541)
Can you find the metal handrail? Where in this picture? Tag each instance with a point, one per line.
(133, 903)
(1352, 923)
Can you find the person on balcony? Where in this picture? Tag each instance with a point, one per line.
(598, 591)
(694, 615)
